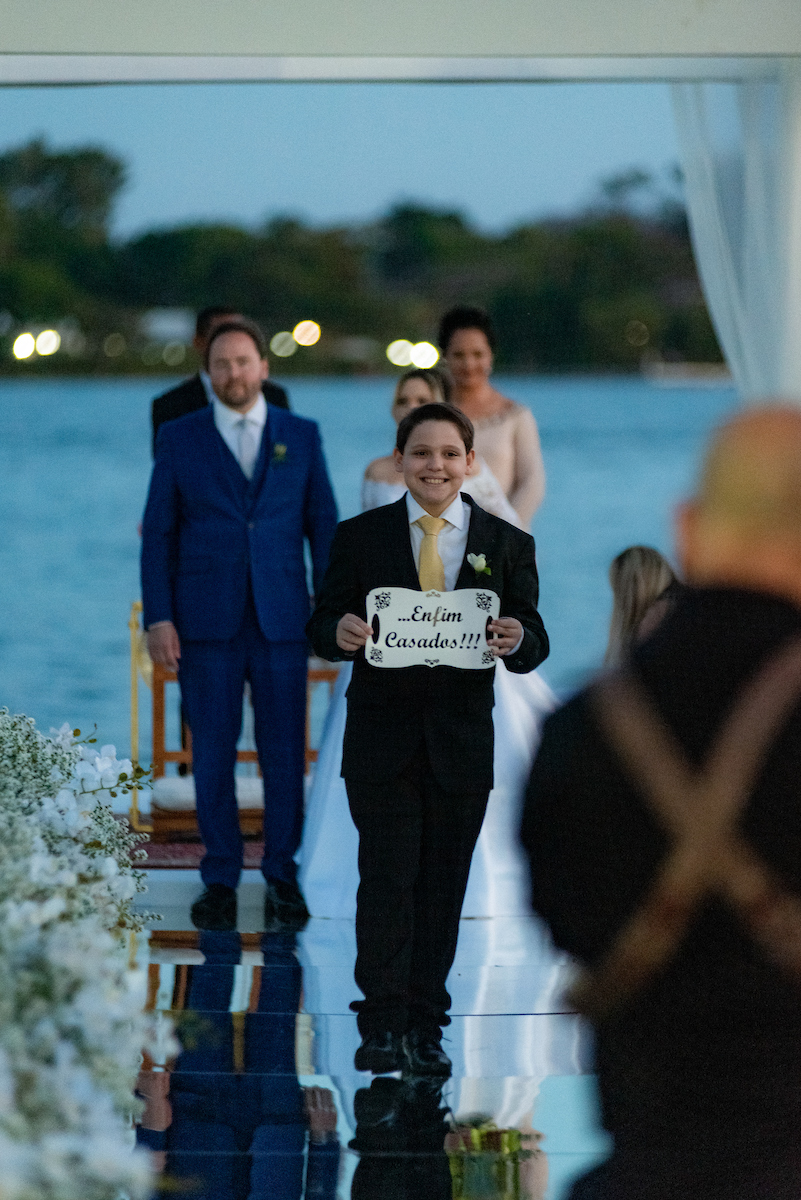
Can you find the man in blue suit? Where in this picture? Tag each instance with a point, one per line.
(237, 488)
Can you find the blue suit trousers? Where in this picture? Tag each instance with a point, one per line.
(212, 676)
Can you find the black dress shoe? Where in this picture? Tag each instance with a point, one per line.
(424, 1055)
(284, 906)
(379, 1053)
(215, 908)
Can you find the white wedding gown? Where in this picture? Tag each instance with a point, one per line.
(498, 883)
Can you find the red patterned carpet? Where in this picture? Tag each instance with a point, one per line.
(189, 854)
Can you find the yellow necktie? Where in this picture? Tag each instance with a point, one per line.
(431, 571)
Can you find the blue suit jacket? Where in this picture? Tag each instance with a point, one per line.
(206, 528)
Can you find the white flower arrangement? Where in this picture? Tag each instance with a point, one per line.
(72, 1025)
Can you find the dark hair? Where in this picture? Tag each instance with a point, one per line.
(435, 412)
(241, 325)
(465, 317)
(207, 316)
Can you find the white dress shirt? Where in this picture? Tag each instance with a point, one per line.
(227, 421)
(451, 543)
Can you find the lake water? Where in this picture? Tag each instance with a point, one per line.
(74, 469)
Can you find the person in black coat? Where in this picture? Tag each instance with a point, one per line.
(417, 755)
(699, 1063)
(196, 392)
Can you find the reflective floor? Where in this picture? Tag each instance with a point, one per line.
(263, 1102)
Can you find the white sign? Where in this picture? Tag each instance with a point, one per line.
(432, 629)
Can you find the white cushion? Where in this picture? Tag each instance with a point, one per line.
(177, 792)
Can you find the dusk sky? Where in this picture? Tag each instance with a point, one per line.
(501, 153)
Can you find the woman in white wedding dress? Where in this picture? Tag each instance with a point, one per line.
(497, 886)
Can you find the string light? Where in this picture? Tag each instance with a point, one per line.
(424, 354)
(307, 333)
(48, 342)
(24, 345)
(399, 353)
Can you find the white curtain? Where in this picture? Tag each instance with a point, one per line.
(741, 154)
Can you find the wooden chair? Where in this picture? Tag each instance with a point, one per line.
(173, 799)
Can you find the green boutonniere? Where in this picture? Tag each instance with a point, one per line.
(479, 564)
(279, 454)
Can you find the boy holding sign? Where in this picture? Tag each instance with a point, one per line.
(417, 754)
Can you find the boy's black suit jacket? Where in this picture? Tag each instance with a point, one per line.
(392, 713)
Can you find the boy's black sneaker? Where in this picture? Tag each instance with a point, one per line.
(379, 1053)
(424, 1056)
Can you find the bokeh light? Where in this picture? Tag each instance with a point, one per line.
(283, 344)
(399, 353)
(174, 353)
(114, 345)
(424, 354)
(24, 345)
(637, 333)
(48, 342)
(306, 333)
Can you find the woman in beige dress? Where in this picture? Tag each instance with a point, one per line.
(506, 434)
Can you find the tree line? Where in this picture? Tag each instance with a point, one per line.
(596, 291)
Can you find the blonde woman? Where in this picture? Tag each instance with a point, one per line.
(382, 483)
(639, 577)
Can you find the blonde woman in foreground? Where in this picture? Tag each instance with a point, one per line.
(642, 582)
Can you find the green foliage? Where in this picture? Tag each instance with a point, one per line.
(55, 209)
(598, 291)
(71, 191)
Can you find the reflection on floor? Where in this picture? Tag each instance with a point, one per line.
(263, 1102)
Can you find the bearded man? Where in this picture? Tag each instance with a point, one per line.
(238, 488)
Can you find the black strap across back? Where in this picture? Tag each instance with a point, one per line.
(699, 809)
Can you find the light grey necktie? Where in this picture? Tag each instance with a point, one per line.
(248, 446)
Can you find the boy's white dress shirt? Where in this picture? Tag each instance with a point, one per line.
(451, 543)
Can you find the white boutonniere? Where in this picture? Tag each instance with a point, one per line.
(479, 564)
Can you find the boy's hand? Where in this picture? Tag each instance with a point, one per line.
(352, 633)
(507, 633)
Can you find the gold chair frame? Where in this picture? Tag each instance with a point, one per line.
(166, 823)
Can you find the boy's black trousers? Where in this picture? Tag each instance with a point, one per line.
(416, 841)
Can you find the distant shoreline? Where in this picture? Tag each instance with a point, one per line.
(686, 374)
(671, 374)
